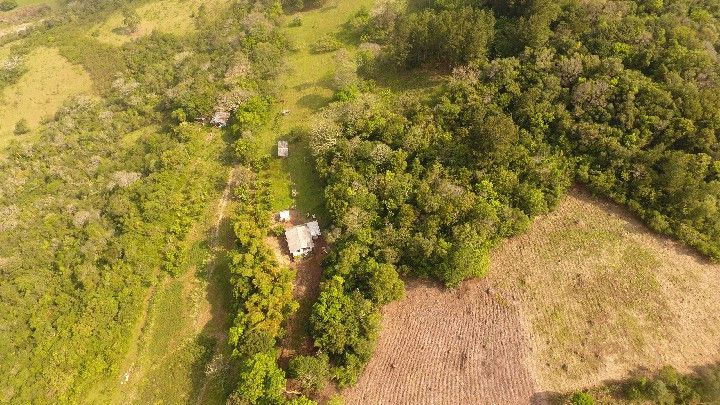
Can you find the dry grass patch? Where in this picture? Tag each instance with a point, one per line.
(167, 16)
(49, 81)
(605, 295)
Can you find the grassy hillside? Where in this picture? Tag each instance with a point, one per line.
(167, 16)
(50, 80)
(604, 296)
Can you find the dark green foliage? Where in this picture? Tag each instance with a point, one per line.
(621, 94)
(345, 326)
(629, 92)
(441, 37)
(312, 372)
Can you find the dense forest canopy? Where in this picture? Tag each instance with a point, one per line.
(619, 95)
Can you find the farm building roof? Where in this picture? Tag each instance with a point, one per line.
(283, 149)
(299, 239)
(284, 215)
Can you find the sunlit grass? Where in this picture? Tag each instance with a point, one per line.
(49, 81)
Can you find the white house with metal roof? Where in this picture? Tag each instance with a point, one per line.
(299, 240)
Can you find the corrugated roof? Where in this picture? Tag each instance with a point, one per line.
(299, 238)
(283, 149)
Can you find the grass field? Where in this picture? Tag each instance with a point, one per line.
(49, 81)
(305, 92)
(168, 16)
(604, 295)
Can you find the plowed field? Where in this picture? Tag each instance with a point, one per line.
(448, 347)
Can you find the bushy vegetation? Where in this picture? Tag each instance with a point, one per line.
(618, 95)
(262, 292)
(7, 5)
(97, 210)
(10, 70)
(668, 386)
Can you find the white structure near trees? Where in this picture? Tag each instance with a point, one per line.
(314, 228)
(220, 118)
(284, 216)
(299, 240)
(283, 149)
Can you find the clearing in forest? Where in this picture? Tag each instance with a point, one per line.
(587, 294)
(606, 296)
(48, 82)
(166, 16)
(306, 88)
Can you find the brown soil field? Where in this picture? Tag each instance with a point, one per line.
(588, 294)
(440, 346)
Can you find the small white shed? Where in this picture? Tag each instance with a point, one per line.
(283, 149)
(284, 216)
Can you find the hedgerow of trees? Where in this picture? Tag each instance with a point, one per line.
(262, 293)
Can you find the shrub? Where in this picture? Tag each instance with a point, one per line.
(582, 398)
(326, 43)
(21, 127)
(8, 5)
(312, 372)
(296, 22)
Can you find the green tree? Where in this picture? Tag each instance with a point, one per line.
(261, 380)
(312, 372)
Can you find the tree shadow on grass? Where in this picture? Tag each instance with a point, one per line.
(313, 101)
(212, 373)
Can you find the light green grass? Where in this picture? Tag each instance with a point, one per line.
(30, 2)
(167, 16)
(49, 81)
(305, 92)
